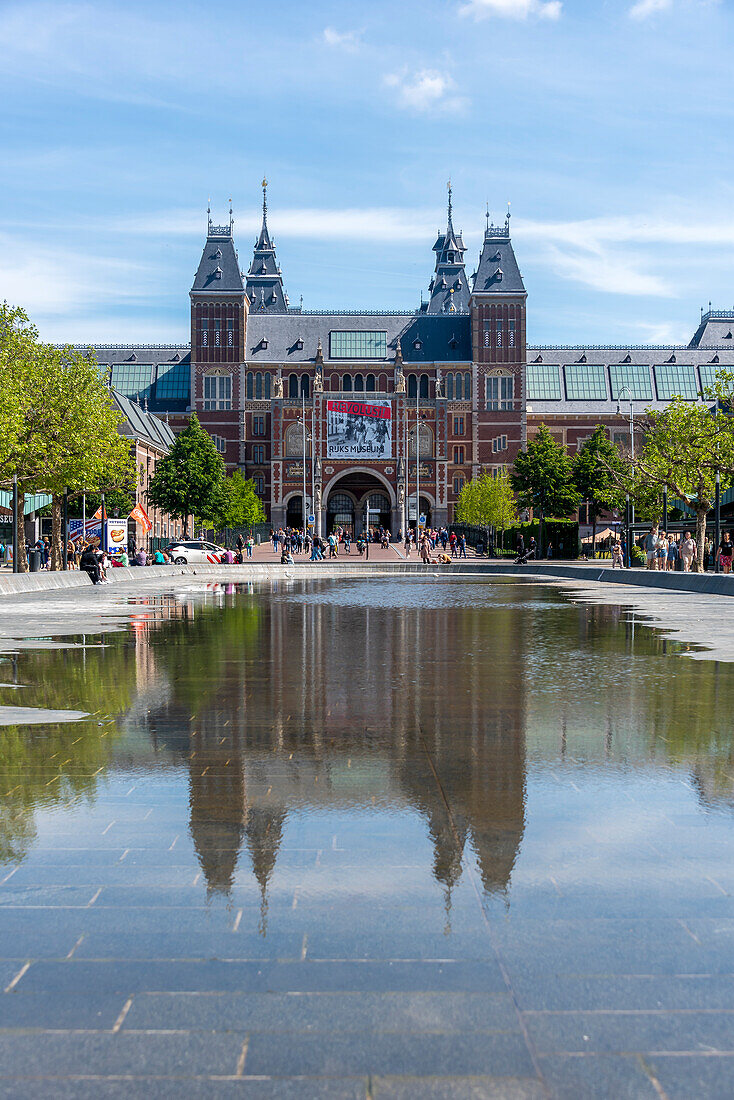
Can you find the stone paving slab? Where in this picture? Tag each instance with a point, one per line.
(457, 1088)
(350, 1013)
(141, 1087)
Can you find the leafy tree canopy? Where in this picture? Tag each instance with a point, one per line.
(241, 507)
(190, 479)
(487, 501)
(542, 477)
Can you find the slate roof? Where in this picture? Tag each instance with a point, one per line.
(649, 357)
(219, 267)
(442, 338)
(449, 287)
(498, 272)
(264, 280)
(143, 425)
(159, 358)
(716, 330)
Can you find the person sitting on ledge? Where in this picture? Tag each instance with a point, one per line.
(88, 564)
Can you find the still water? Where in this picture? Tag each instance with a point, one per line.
(371, 835)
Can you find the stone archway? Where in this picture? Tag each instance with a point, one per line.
(362, 486)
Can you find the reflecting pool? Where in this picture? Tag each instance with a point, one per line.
(368, 839)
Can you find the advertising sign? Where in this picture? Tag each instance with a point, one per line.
(116, 535)
(356, 429)
(93, 530)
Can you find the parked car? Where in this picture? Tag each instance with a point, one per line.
(192, 553)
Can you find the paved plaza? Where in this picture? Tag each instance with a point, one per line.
(491, 866)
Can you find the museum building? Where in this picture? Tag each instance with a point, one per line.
(382, 416)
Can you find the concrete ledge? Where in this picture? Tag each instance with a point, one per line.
(708, 583)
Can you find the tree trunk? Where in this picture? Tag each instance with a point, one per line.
(57, 548)
(22, 566)
(701, 538)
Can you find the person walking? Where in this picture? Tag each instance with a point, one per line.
(462, 546)
(426, 549)
(650, 547)
(520, 546)
(687, 551)
(454, 542)
(532, 548)
(662, 551)
(725, 553)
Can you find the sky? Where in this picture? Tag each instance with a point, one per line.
(606, 124)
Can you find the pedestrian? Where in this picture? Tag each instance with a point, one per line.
(532, 547)
(250, 543)
(673, 554)
(549, 550)
(520, 546)
(426, 549)
(274, 539)
(240, 544)
(687, 551)
(650, 546)
(725, 553)
(617, 560)
(462, 546)
(662, 551)
(454, 544)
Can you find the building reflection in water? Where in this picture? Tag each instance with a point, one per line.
(280, 703)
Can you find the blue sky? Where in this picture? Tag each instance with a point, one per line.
(606, 123)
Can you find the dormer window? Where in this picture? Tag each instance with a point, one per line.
(498, 275)
(299, 343)
(417, 344)
(451, 257)
(453, 342)
(218, 253)
(217, 272)
(263, 343)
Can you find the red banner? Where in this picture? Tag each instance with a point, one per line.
(140, 516)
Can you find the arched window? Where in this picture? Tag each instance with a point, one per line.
(267, 385)
(358, 382)
(294, 441)
(250, 389)
(426, 442)
(382, 383)
(347, 383)
(424, 385)
(293, 385)
(450, 386)
(378, 502)
(412, 385)
(370, 383)
(340, 502)
(258, 386)
(467, 386)
(304, 385)
(459, 387)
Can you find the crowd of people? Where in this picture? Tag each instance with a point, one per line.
(432, 544)
(666, 551)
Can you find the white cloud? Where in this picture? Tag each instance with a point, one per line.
(343, 40)
(425, 90)
(512, 9)
(643, 9)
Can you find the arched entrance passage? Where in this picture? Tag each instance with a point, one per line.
(294, 511)
(358, 489)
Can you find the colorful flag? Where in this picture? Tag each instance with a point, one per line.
(140, 516)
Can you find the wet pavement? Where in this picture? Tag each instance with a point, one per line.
(367, 839)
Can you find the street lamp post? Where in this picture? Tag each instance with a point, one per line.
(367, 527)
(630, 504)
(717, 523)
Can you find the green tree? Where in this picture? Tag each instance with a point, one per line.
(597, 470)
(58, 423)
(542, 479)
(189, 481)
(241, 507)
(487, 501)
(684, 447)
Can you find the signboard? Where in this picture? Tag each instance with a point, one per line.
(293, 471)
(411, 511)
(93, 530)
(356, 429)
(422, 520)
(116, 535)
(311, 520)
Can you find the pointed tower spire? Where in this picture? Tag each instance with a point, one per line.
(449, 288)
(264, 280)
